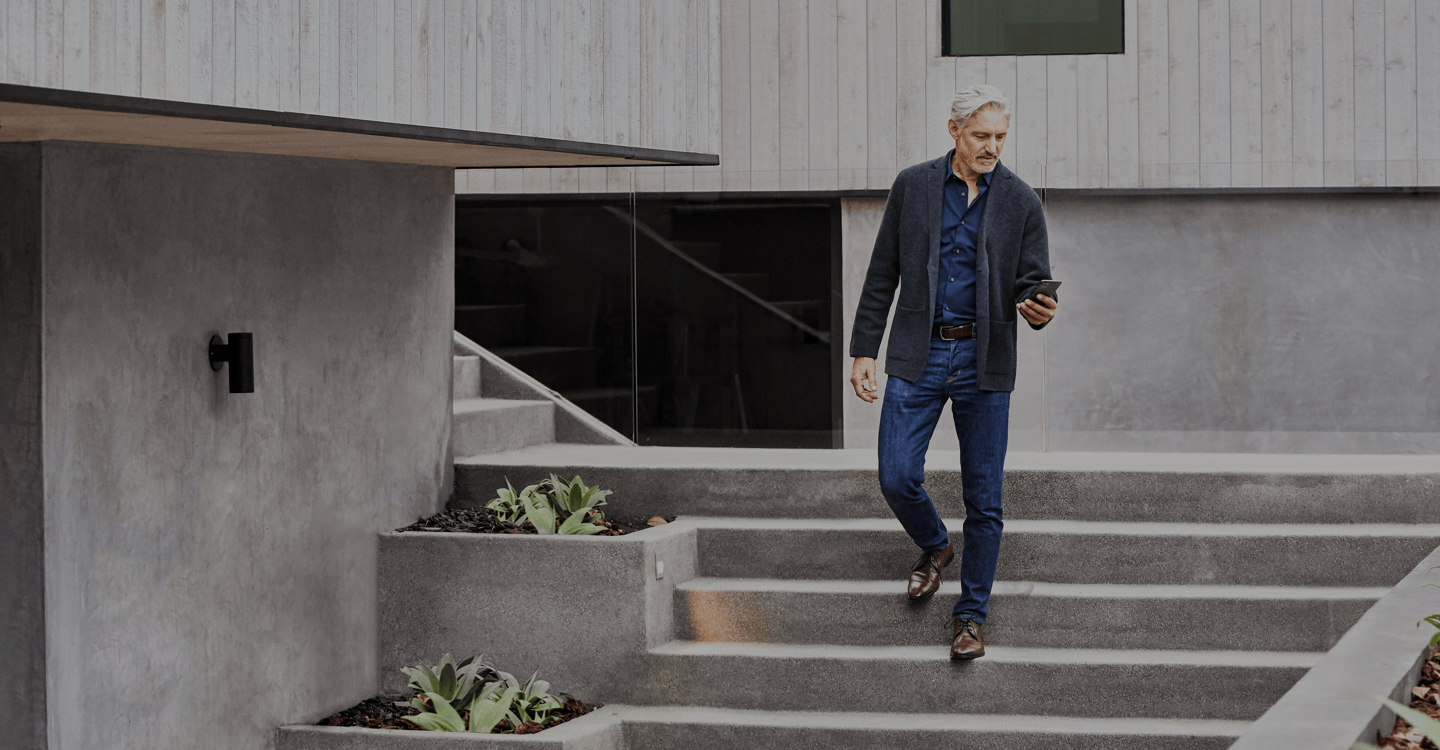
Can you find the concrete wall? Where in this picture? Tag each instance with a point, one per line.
(841, 94)
(210, 558)
(1267, 322)
(623, 72)
(22, 499)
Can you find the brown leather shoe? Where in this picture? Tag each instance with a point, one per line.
(969, 643)
(925, 573)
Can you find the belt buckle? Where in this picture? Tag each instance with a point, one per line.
(952, 333)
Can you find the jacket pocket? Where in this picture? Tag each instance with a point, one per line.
(1000, 349)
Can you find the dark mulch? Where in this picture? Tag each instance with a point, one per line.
(389, 712)
(484, 522)
(1425, 698)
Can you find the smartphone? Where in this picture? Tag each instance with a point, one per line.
(1046, 287)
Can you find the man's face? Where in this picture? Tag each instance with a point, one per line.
(978, 144)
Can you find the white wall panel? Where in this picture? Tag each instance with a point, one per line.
(632, 72)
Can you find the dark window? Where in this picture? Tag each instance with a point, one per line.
(1033, 27)
(675, 320)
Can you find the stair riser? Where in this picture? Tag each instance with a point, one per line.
(465, 377)
(1072, 558)
(656, 736)
(476, 433)
(1015, 620)
(1029, 494)
(980, 686)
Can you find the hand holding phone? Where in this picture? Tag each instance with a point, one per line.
(1046, 287)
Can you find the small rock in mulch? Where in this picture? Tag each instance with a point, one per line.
(389, 712)
(1425, 698)
(482, 521)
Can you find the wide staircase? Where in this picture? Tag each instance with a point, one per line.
(1143, 600)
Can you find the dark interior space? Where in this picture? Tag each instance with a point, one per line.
(725, 342)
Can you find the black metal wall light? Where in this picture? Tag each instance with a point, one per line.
(240, 353)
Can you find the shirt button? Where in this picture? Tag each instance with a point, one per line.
(952, 278)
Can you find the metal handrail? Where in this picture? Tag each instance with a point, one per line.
(645, 229)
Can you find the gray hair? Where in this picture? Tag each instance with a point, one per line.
(970, 100)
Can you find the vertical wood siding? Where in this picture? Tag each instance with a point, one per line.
(631, 72)
(841, 94)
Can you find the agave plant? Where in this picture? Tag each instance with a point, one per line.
(559, 508)
(533, 702)
(574, 497)
(455, 684)
(510, 506)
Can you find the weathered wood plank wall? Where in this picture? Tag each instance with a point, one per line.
(631, 72)
(840, 94)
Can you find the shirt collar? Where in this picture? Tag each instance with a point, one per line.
(982, 183)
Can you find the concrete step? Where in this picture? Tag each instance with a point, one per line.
(690, 727)
(465, 380)
(560, 368)
(809, 483)
(1076, 551)
(492, 325)
(487, 425)
(1229, 685)
(1025, 614)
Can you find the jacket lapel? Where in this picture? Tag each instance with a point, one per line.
(998, 194)
(935, 208)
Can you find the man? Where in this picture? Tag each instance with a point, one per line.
(965, 240)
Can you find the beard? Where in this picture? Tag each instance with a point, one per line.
(983, 167)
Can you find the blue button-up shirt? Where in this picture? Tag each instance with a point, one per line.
(959, 231)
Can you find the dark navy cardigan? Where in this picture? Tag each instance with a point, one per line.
(1013, 256)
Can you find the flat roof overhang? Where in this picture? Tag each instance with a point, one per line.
(32, 113)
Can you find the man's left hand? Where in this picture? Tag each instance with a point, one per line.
(1038, 314)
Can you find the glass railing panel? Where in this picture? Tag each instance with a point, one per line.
(547, 287)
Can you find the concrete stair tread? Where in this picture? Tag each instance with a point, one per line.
(865, 459)
(476, 405)
(867, 720)
(1039, 589)
(995, 655)
(1062, 526)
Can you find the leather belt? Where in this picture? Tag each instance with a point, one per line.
(951, 333)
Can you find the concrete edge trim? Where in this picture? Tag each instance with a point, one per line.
(590, 728)
(1338, 701)
(136, 105)
(654, 533)
(586, 420)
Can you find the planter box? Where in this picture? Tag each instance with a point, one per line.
(582, 610)
(1338, 702)
(600, 730)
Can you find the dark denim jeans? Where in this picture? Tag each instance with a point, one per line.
(982, 422)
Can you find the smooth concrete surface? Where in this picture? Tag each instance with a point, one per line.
(500, 379)
(1276, 323)
(581, 610)
(491, 425)
(22, 492)
(1235, 685)
(210, 557)
(1026, 614)
(466, 377)
(1339, 701)
(663, 727)
(1215, 488)
(1076, 552)
(599, 730)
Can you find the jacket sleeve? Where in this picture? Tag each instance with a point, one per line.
(881, 279)
(1034, 265)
